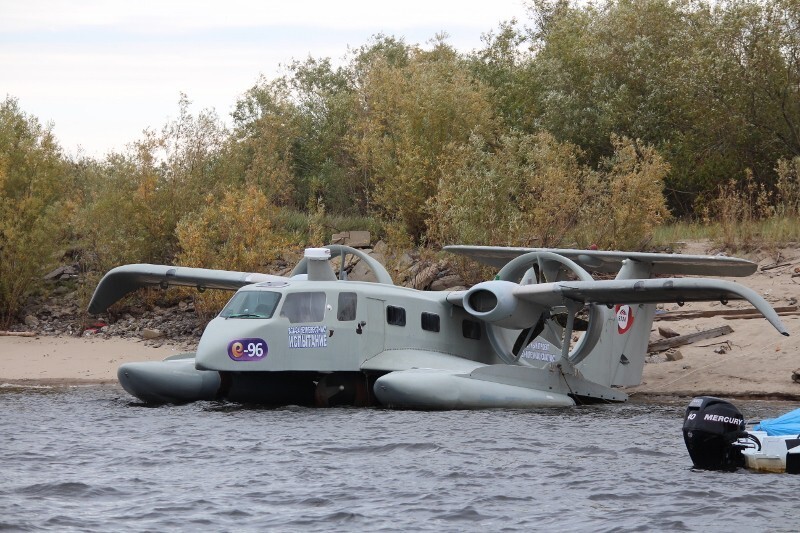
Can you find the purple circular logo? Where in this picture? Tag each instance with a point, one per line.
(247, 349)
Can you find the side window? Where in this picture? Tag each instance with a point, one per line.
(347, 306)
(396, 316)
(430, 322)
(471, 329)
(304, 307)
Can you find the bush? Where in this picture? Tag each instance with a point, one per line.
(234, 232)
(526, 192)
(624, 201)
(532, 190)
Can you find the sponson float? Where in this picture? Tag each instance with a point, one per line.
(316, 338)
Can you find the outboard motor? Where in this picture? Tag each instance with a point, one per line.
(711, 427)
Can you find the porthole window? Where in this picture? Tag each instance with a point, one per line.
(430, 322)
(396, 316)
(471, 329)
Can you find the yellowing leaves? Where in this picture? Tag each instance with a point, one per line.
(412, 115)
(233, 233)
(531, 190)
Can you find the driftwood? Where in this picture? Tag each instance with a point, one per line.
(759, 315)
(724, 313)
(666, 344)
(776, 265)
(17, 334)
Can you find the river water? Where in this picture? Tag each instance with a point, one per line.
(91, 459)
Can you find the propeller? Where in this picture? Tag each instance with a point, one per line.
(545, 267)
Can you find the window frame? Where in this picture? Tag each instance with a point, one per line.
(315, 310)
(396, 316)
(430, 322)
(471, 329)
(340, 305)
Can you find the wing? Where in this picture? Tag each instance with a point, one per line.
(601, 261)
(637, 291)
(126, 279)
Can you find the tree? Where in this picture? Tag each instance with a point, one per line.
(410, 116)
(532, 190)
(135, 199)
(524, 190)
(231, 232)
(266, 130)
(36, 198)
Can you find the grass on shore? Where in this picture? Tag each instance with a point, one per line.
(737, 236)
(773, 232)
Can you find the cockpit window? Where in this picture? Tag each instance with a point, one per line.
(251, 304)
(304, 307)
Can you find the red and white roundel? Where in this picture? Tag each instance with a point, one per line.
(624, 318)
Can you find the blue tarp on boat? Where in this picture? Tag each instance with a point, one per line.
(788, 424)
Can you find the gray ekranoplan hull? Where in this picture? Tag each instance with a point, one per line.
(169, 381)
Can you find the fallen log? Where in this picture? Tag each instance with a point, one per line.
(733, 313)
(665, 344)
(776, 265)
(17, 334)
(759, 315)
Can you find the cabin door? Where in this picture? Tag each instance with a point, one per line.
(372, 333)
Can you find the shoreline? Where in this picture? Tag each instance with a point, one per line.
(658, 397)
(62, 362)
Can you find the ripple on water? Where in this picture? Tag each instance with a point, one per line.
(89, 459)
(69, 490)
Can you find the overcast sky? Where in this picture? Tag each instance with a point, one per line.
(102, 71)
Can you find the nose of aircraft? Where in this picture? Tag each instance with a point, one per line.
(171, 381)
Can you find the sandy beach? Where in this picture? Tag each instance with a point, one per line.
(73, 360)
(757, 360)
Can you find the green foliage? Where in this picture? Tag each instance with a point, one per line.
(267, 127)
(504, 65)
(714, 86)
(525, 192)
(411, 116)
(232, 232)
(566, 129)
(534, 191)
(135, 200)
(624, 202)
(36, 197)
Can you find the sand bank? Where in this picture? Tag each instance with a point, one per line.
(68, 360)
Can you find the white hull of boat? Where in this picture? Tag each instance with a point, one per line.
(780, 454)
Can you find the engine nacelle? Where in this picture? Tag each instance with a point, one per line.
(494, 302)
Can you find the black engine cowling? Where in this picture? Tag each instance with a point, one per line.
(711, 427)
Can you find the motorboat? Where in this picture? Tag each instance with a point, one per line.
(718, 437)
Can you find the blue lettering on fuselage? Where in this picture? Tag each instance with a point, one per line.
(308, 337)
(538, 351)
